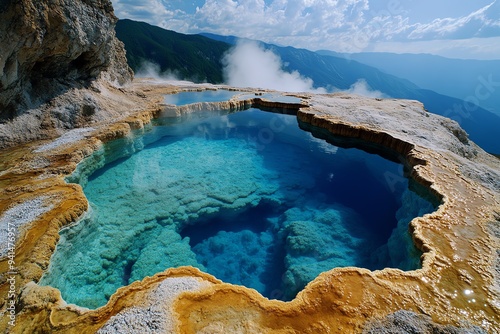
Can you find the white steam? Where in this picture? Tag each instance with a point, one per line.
(249, 65)
(362, 88)
(153, 71)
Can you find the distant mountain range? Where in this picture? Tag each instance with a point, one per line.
(474, 80)
(198, 58)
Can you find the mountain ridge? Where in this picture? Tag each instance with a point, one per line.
(475, 80)
(190, 56)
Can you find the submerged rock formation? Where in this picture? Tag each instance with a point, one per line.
(49, 48)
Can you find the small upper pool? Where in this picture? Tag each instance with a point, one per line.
(274, 97)
(184, 98)
(248, 197)
(221, 95)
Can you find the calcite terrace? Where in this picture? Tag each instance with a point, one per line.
(458, 284)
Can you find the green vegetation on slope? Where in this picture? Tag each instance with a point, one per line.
(192, 57)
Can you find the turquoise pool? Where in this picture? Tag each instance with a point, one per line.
(248, 197)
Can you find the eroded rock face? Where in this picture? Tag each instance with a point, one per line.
(50, 47)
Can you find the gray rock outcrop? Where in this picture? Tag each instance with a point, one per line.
(406, 322)
(48, 47)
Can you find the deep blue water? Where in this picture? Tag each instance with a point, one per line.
(247, 197)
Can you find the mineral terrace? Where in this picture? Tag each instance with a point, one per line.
(66, 90)
(458, 284)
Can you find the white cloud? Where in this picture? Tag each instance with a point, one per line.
(146, 10)
(249, 65)
(484, 22)
(255, 20)
(153, 12)
(340, 25)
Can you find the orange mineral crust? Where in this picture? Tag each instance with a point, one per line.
(458, 284)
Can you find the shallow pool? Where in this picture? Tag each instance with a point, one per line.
(274, 97)
(184, 98)
(247, 197)
(221, 95)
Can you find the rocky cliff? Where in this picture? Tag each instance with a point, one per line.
(49, 48)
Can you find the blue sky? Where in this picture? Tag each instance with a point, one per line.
(451, 28)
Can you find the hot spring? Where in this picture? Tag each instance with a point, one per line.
(222, 95)
(188, 97)
(248, 197)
